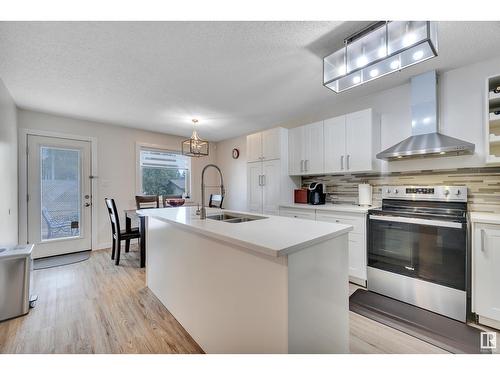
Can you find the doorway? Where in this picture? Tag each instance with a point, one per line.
(59, 207)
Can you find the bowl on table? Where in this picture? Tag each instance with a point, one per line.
(175, 202)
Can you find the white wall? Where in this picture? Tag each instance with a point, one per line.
(461, 101)
(234, 171)
(116, 160)
(8, 168)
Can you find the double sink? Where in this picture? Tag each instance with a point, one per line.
(234, 218)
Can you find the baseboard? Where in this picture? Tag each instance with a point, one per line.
(489, 322)
(358, 281)
(102, 246)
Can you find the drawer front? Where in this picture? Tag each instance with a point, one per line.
(299, 214)
(358, 222)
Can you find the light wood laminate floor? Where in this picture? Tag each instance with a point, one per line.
(97, 307)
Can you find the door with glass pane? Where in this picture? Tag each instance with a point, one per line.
(59, 195)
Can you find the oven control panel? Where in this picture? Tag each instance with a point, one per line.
(426, 193)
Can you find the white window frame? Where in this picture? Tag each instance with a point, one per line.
(154, 147)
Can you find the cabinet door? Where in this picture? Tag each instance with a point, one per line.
(254, 190)
(486, 266)
(296, 151)
(271, 144)
(357, 241)
(271, 186)
(254, 147)
(359, 141)
(334, 142)
(314, 148)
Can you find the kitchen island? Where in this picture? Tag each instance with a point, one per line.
(268, 285)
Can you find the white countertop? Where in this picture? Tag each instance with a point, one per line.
(274, 235)
(485, 217)
(330, 207)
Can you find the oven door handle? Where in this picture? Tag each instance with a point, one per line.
(410, 220)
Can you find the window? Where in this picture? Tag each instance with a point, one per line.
(165, 173)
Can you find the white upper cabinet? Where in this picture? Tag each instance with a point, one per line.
(254, 147)
(351, 142)
(335, 151)
(306, 152)
(267, 145)
(296, 151)
(314, 150)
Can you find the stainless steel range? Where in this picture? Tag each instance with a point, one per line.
(417, 247)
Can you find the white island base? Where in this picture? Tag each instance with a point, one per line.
(233, 299)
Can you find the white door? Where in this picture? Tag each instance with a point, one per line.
(271, 144)
(254, 147)
(359, 141)
(334, 130)
(59, 195)
(314, 155)
(486, 266)
(296, 151)
(271, 187)
(254, 190)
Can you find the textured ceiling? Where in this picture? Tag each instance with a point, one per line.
(236, 77)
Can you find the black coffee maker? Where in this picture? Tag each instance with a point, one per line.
(316, 195)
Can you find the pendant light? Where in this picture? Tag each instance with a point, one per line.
(382, 48)
(195, 146)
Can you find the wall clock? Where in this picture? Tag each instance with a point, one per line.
(236, 153)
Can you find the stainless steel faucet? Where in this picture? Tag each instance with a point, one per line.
(203, 211)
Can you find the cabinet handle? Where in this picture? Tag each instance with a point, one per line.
(263, 180)
(302, 165)
(342, 163)
(483, 240)
(306, 166)
(348, 158)
(260, 180)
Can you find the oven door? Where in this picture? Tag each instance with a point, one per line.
(431, 250)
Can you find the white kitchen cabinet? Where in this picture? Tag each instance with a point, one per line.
(254, 147)
(298, 213)
(351, 142)
(254, 187)
(335, 144)
(306, 149)
(268, 181)
(296, 152)
(486, 273)
(357, 241)
(267, 145)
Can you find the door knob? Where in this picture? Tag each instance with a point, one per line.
(87, 204)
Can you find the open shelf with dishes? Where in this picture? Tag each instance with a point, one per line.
(493, 120)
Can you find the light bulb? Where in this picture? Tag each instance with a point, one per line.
(394, 64)
(356, 79)
(418, 55)
(373, 73)
(409, 39)
(381, 52)
(361, 61)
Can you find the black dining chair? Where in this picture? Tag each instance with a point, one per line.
(119, 235)
(215, 200)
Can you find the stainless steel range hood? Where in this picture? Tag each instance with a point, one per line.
(426, 141)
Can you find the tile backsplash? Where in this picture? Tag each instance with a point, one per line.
(483, 184)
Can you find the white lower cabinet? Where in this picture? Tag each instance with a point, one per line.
(357, 241)
(486, 273)
(298, 213)
(357, 237)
